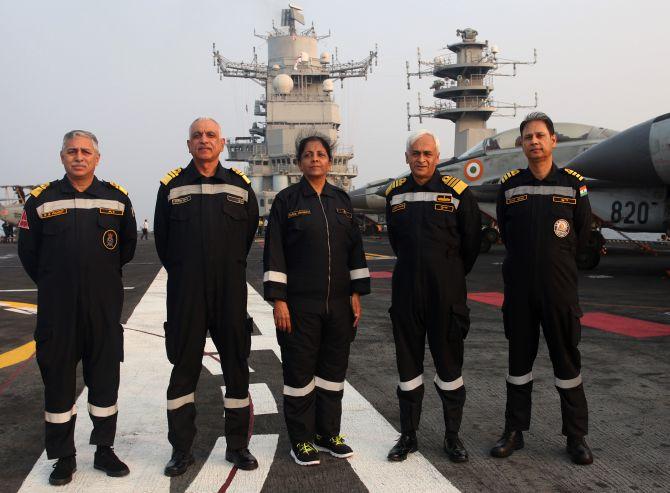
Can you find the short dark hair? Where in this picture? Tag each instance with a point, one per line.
(537, 116)
(300, 148)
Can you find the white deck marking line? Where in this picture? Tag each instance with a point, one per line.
(368, 432)
(34, 290)
(216, 469)
(141, 439)
(261, 396)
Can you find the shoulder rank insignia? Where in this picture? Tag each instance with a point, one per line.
(509, 175)
(35, 192)
(574, 173)
(455, 183)
(395, 184)
(170, 175)
(244, 177)
(118, 187)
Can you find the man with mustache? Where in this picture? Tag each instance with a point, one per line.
(205, 221)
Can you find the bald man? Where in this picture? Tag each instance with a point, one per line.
(205, 221)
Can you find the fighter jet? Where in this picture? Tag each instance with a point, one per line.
(11, 204)
(628, 175)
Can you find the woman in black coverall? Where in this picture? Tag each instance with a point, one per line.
(315, 272)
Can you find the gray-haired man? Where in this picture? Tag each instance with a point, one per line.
(76, 234)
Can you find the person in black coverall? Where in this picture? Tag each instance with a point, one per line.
(315, 272)
(544, 218)
(76, 234)
(204, 225)
(434, 228)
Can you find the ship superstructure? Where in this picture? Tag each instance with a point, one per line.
(464, 86)
(298, 101)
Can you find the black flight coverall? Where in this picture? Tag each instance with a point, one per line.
(435, 231)
(72, 245)
(204, 228)
(314, 261)
(543, 224)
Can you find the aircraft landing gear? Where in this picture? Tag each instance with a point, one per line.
(589, 257)
(489, 237)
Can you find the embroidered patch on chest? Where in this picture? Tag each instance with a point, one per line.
(564, 200)
(57, 212)
(110, 239)
(398, 207)
(445, 199)
(111, 212)
(234, 199)
(299, 212)
(344, 212)
(514, 200)
(444, 207)
(561, 228)
(180, 200)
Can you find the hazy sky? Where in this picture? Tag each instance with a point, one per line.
(138, 72)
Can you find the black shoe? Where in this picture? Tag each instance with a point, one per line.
(178, 464)
(242, 459)
(335, 446)
(455, 450)
(579, 451)
(64, 468)
(106, 460)
(406, 444)
(508, 443)
(305, 454)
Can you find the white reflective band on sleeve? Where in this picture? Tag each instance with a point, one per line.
(540, 190)
(208, 189)
(411, 384)
(522, 380)
(359, 274)
(230, 403)
(453, 385)
(58, 205)
(274, 276)
(103, 412)
(423, 197)
(173, 404)
(569, 384)
(327, 385)
(301, 392)
(60, 418)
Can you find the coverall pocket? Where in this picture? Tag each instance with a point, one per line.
(121, 352)
(459, 322)
(236, 211)
(505, 309)
(170, 344)
(42, 336)
(575, 325)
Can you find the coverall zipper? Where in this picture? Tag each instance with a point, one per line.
(328, 242)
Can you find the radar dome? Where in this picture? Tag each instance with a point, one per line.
(282, 84)
(326, 57)
(328, 85)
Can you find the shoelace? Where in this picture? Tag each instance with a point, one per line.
(338, 440)
(306, 447)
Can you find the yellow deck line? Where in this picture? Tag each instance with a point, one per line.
(17, 355)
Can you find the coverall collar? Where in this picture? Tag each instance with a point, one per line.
(552, 177)
(433, 184)
(191, 173)
(95, 188)
(307, 189)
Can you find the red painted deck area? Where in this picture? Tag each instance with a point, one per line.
(632, 327)
(381, 274)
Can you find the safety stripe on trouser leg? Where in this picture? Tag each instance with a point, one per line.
(103, 412)
(232, 403)
(173, 404)
(569, 384)
(453, 385)
(522, 380)
(411, 384)
(60, 418)
(299, 392)
(328, 385)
